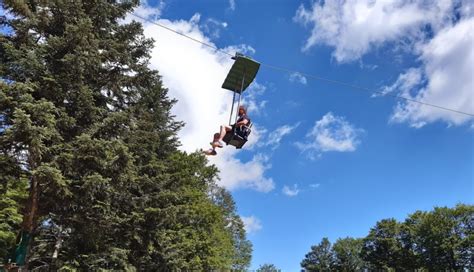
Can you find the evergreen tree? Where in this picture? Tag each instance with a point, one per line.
(320, 258)
(13, 192)
(87, 126)
(344, 255)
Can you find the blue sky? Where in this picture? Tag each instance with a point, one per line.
(324, 159)
(327, 160)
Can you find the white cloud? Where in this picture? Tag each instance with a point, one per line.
(292, 104)
(405, 82)
(448, 66)
(314, 185)
(241, 48)
(212, 27)
(275, 137)
(232, 4)
(255, 107)
(440, 33)
(331, 133)
(291, 191)
(370, 67)
(250, 98)
(145, 10)
(356, 26)
(194, 73)
(251, 224)
(297, 77)
(236, 174)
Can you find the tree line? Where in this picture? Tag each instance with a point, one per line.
(438, 240)
(91, 177)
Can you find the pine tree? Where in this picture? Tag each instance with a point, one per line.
(13, 191)
(320, 258)
(87, 126)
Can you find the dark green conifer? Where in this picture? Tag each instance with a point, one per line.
(87, 138)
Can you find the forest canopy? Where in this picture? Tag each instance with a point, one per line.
(438, 240)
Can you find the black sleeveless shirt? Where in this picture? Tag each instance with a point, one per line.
(243, 117)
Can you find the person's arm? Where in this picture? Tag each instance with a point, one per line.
(243, 122)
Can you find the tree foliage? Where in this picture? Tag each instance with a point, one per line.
(343, 255)
(88, 150)
(439, 240)
(268, 268)
(320, 258)
(346, 255)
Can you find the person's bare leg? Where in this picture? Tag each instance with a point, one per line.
(224, 130)
(215, 139)
(212, 151)
(220, 136)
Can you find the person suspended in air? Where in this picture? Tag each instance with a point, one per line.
(240, 128)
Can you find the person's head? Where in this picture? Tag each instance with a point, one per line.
(242, 110)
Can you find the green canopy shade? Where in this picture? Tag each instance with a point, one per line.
(243, 68)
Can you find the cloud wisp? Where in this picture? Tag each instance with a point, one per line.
(297, 77)
(331, 133)
(232, 5)
(405, 83)
(291, 191)
(213, 27)
(274, 138)
(251, 224)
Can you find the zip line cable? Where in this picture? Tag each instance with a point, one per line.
(356, 87)
(184, 35)
(359, 88)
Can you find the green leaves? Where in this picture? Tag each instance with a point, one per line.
(268, 268)
(383, 246)
(320, 258)
(438, 240)
(346, 254)
(13, 195)
(444, 237)
(54, 184)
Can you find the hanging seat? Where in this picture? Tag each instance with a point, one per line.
(238, 136)
(240, 76)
